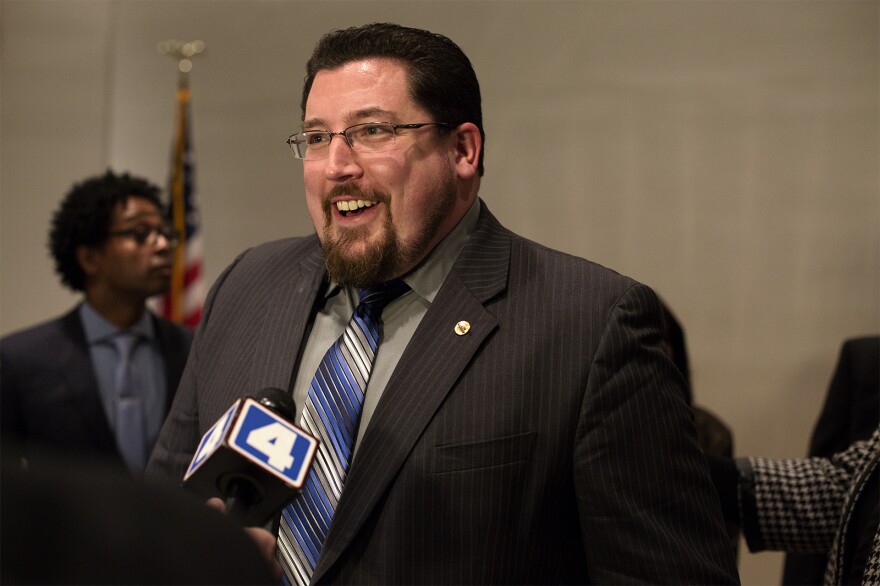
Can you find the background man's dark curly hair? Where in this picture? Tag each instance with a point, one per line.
(84, 218)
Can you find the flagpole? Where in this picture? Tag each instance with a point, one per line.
(174, 304)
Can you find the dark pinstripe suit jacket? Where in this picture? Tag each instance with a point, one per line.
(48, 392)
(551, 444)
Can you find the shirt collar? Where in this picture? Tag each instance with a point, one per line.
(97, 329)
(429, 276)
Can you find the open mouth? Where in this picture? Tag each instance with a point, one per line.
(353, 207)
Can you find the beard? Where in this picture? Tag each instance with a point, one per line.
(387, 257)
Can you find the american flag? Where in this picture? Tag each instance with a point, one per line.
(183, 302)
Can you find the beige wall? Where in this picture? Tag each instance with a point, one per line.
(725, 153)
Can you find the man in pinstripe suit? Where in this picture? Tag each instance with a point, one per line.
(522, 423)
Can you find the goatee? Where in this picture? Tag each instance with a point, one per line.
(385, 257)
(375, 265)
(377, 262)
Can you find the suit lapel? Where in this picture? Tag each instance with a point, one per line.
(289, 304)
(415, 392)
(869, 462)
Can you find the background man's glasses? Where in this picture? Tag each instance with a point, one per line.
(149, 235)
(369, 137)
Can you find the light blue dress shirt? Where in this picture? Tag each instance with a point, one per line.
(147, 363)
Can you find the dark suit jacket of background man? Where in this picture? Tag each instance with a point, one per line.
(48, 391)
(488, 452)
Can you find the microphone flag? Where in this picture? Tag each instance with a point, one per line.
(254, 448)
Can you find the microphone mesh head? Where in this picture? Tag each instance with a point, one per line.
(277, 400)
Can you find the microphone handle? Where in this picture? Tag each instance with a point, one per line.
(240, 494)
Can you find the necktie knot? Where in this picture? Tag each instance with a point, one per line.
(376, 298)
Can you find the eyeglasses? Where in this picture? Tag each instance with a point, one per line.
(369, 137)
(149, 235)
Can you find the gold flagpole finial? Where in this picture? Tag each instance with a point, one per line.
(183, 51)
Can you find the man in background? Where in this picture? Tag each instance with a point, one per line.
(99, 380)
(850, 413)
(510, 411)
(828, 506)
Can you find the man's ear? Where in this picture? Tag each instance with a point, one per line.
(468, 144)
(88, 259)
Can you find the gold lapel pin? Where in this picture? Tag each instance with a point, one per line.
(462, 327)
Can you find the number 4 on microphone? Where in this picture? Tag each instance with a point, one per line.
(267, 438)
(275, 441)
(262, 437)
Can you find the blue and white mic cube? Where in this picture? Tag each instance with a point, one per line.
(252, 444)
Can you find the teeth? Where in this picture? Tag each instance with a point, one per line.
(350, 206)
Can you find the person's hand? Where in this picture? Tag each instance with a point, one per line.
(217, 504)
(266, 542)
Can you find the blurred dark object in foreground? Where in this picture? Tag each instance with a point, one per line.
(81, 522)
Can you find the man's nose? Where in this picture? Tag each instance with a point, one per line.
(341, 160)
(162, 243)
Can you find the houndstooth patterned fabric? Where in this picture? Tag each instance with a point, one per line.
(804, 505)
(872, 568)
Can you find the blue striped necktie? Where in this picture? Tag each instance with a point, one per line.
(332, 413)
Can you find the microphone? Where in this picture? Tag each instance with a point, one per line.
(253, 457)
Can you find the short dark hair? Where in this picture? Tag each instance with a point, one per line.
(85, 215)
(441, 77)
